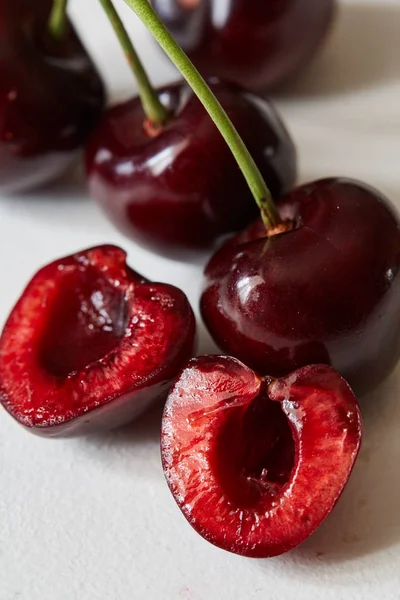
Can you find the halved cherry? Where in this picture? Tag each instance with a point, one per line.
(255, 463)
(91, 344)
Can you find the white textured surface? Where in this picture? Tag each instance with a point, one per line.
(92, 518)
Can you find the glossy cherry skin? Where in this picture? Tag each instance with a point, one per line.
(50, 96)
(326, 292)
(91, 344)
(260, 44)
(179, 190)
(255, 463)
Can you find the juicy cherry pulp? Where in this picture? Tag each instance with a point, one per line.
(326, 292)
(259, 44)
(91, 344)
(87, 321)
(254, 451)
(256, 464)
(152, 188)
(50, 96)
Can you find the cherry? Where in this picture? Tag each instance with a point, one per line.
(326, 292)
(91, 344)
(50, 96)
(259, 43)
(255, 463)
(178, 187)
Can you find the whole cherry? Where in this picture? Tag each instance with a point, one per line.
(50, 95)
(327, 291)
(91, 344)
(176, 188)
(260, 44)
(256, 463)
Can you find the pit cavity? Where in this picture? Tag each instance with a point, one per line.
(86, 320)
(254, 453)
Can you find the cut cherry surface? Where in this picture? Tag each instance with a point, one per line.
(91, 344)
(50, 96)
(178, 189)
(326, 292)
(88, 320)
(259, 44)
(256, 463)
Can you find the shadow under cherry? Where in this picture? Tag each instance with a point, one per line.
(71, 185)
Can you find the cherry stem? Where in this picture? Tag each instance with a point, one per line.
(153, 108)
(58, 19)
(255, 180)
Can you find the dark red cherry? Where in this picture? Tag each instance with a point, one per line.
(326, 292)
(50, 96)
(91, 344)
(257, 43)
(256, 463)
(178, 189)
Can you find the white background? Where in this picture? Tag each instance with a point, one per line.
(92, 518)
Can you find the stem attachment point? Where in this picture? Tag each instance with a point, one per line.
(153, 108)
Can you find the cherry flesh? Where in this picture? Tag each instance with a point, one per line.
(179, 189)
(91, 344)
(255, 463)
(326, 292)
(259, 44)
(50, 96)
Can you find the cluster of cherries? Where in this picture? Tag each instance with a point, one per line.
(257, 452)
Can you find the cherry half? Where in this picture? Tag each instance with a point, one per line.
(255, 463)
(91, 344)
(178, 188)
(259, 44)
(50, 96)
(327, 291)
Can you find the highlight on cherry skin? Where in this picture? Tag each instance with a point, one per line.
(260, 44)
(177, 188)
(256, 463)
(51, 96)
(91, 344)
(327, 291)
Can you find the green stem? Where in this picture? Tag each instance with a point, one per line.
(246, 163)
(153, 108)
(58, 19)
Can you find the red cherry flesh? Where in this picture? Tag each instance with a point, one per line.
(50, 96)
(91, 344)
(254, 463)
(259, 44)
(179, 190)
(326, 292)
